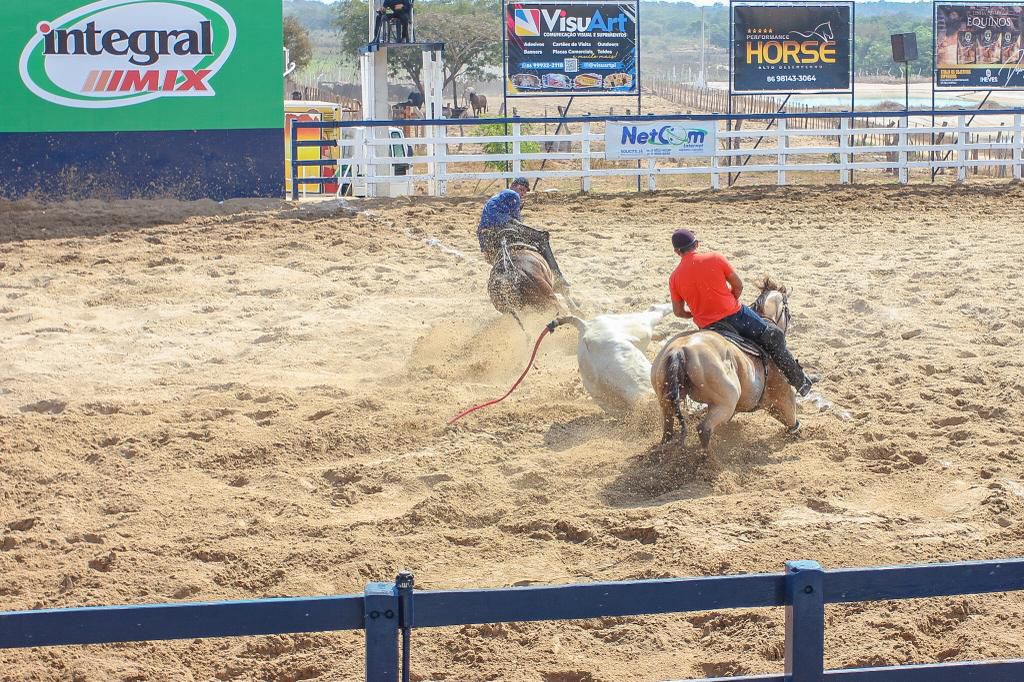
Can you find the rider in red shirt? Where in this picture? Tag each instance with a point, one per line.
(705, 287)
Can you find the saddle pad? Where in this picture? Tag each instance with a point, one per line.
(745, 345)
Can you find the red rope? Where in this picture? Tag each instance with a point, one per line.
(548, 329)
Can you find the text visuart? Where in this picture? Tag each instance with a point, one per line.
(571, 48)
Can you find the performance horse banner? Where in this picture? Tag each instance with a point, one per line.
(792, 47)
(978, 46)
(571, 48)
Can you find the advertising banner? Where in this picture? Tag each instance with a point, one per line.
(978, 46)
(571, 48)
(135, 65)
(792, 47)
(673, 140)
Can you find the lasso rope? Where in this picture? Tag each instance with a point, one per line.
(550, 327)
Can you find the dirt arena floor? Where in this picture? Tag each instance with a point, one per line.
(225, 401)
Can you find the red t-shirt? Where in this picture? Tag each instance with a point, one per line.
(700, 281)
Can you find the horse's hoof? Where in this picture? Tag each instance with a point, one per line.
(794, 429)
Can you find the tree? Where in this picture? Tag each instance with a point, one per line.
(469, 29)
(296, 39)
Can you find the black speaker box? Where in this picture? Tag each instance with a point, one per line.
(904, 47)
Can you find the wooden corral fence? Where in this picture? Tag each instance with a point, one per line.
(352, 108)
(389, 612)
(840, 145)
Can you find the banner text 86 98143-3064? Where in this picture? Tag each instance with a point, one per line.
(792, 47)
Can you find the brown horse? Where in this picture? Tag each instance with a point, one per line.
(710, 369)
(477, 102)
(521, 278)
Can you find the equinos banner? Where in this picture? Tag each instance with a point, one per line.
(133, 65)
(571, 48)
(978, 46)
(672, 140)
(792, 47)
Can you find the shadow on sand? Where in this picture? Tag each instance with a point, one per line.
(671, 472)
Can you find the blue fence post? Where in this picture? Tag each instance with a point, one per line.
(295, 159)
(380, 616)
(805, 622)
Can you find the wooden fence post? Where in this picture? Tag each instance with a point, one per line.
(904, 175)
(782, 144)
(844, 151)
(961, 151)
(805, 622)
(585, 151)
(1017, 146)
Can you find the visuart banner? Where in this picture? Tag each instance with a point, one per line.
(658, 139)
(123, 65)
(792, 47)
(978, 46)
(571, 48)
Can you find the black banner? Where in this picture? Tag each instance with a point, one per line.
(571, 48)
(978, 46)
(792, 48)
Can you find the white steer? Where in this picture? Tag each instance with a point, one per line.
(615, 371)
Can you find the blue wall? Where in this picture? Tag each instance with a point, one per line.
(216, 164)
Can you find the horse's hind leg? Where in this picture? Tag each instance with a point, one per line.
(718, 414)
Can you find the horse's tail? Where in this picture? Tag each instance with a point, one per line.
(675, 384)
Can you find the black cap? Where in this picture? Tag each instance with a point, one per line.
(522, 182)
(683, 239)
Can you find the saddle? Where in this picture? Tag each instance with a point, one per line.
(746, 345)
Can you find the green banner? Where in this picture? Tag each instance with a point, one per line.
(129, 65)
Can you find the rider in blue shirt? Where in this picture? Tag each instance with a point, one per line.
(501, 215)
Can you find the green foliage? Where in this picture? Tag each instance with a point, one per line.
(296, 39)
(469, 29)
(498, 129)
(315, 16)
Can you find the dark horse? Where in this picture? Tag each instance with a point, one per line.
(520, 279)
(710, 369)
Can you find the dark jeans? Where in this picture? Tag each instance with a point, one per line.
(753, 327)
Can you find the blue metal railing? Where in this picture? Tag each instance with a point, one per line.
(385, 609)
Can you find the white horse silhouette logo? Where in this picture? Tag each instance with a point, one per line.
(822, 31)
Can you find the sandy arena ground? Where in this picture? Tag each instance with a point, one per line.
(203, 401)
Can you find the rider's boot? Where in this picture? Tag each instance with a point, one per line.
(774, 341)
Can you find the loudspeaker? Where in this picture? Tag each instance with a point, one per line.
(904, 47)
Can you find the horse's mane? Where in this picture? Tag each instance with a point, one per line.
(768, 285)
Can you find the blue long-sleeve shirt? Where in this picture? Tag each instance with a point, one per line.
(499, 210)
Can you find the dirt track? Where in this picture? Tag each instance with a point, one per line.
(203, 401)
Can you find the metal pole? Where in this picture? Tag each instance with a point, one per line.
(503, 10)
(757, 144)
(639, 84)
(969, 121)
(558, 128)
(404, 584)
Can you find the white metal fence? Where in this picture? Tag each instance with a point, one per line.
(954, 145)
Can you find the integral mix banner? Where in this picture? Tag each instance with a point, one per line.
(794, 47)
(978, 46)
(571, 48)
(658, 138)
(137, 65)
